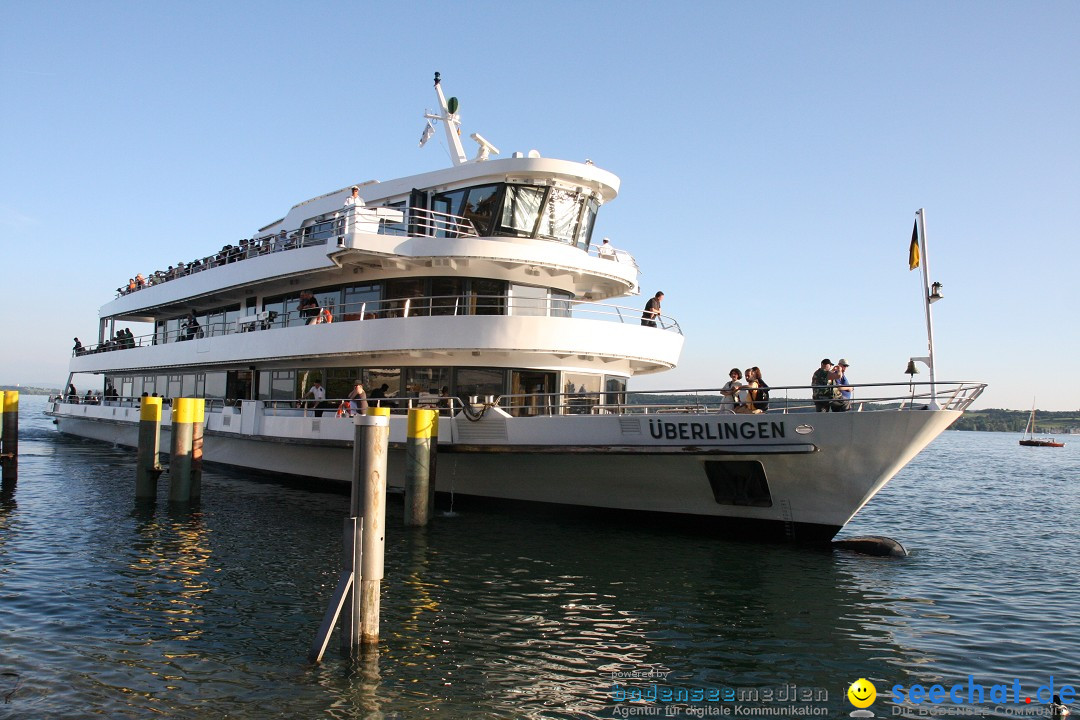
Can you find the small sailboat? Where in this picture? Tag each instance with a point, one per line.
(1029, 434)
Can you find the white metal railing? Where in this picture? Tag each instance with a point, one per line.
(867, 397)
(426, 306)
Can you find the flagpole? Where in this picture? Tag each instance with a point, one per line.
(920, 218)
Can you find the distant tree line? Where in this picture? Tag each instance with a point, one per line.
(31, 390)
(998, 420)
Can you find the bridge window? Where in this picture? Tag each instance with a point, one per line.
(521, 210)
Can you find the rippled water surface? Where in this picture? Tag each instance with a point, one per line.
(114, 611)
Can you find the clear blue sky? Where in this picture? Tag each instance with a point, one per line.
(772, 158)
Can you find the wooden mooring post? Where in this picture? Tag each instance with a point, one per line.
(356, 597)
(147, 469)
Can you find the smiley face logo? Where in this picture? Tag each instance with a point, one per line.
(862, 693)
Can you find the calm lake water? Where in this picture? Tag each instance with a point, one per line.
(108, 610)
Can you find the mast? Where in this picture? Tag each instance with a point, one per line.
(928, 299)
(451, 122)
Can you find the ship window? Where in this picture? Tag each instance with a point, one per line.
(406, 298)
(187, 385)
(479, 382)
(561, 214)
(446, 296)
(487, 297)
(480, 207)
(339, 382)
(214, 385)
(398, 227)
(423, 383)
(528, 300)
(581, 393)
(277, 385)
(614, 392)
(591, 208)
(448, 203)
(375, 378)
(561, 303)
(127, 387)
(173, 388)
(521, 210)
(361, 300)
(738, 482)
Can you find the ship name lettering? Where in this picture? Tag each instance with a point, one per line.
(700, 430)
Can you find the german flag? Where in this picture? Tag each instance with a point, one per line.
(913, 250)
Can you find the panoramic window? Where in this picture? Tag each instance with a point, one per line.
(560, 219)
(521, 210)
(480, 207)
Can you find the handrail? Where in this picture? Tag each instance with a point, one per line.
(952, 395)
(425, 306)
(785, 399)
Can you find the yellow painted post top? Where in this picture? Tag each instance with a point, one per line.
(379, 411)
(183, 411)
(10, 401)
(435, 425)
(150, 409)
(421, 422)
(199, 405)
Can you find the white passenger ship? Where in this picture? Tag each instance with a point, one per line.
(479, 289)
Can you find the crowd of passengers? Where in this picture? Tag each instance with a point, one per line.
(248, 247)
(121, 341)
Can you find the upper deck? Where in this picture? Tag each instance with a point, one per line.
(517, 220)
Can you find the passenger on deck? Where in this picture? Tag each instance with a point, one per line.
(318, 397)
(745, 395)
(652, 310)
(606, 251)
(191, 327)
(843, 386)
(131, 287)
(730, 390)
(824, 386)
(140, 281)
(72, 395)
(380, 395)
(309, 307)
(761, 394)
(357, 400)
(78, 349)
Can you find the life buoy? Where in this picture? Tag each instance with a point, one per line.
(325, 316)
(341, 411)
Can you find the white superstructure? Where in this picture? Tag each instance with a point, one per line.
(478, 289)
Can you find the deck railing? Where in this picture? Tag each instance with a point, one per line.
(418, 222)
(427, 306)
(953, 395)
(795, 399)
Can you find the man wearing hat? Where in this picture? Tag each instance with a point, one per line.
(352, 203)
(839, 372)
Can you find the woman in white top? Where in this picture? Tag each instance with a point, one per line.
(730, 391)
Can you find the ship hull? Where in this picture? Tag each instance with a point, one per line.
(798, 476)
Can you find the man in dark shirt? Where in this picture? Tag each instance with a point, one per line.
(309, 307)
(652, 310)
